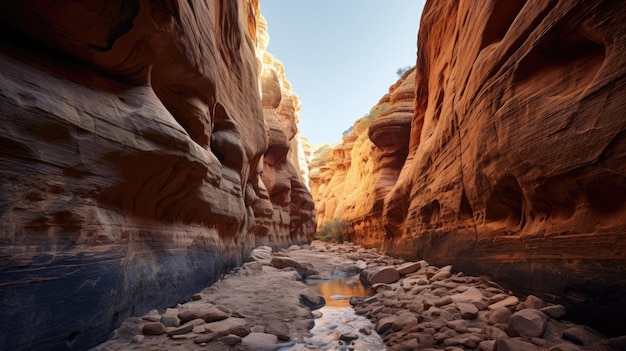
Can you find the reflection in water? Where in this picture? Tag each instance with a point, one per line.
(339, 318)
(342, 286)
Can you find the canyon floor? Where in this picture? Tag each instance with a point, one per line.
(273, 301)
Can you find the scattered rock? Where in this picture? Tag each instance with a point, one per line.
(312, 299)
(240, 331)
(527, 323)
(508, 301)
(487, 345)
(137, 339)
(408, 267)
(257, 329)
(411, 313)
(555, 311)
(180, 330)
(468, 311)
(262, 342)
(261, 253)
(500, 315)
(279, 329)
(286, 262)
(348, 337)
(153, 328)
(209, 313)
(170, 318)
(380, 275)
(443, 273)
(152, 316)
(533, 301)
(404, 320)
(230, 339)
(385, 324)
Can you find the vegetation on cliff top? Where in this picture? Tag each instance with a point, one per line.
(376, 111)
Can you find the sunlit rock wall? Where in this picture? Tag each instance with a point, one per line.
(135, 161)
(516, 162)
(293, 213)
(355, 178)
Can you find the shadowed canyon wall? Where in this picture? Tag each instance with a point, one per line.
(147, 146)
(516, 159)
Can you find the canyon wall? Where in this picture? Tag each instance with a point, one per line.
(516, 162)
(352, 181)
(147, 147)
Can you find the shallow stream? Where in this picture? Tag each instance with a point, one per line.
(338, 318)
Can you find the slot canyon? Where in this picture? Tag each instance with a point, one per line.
(151, 149)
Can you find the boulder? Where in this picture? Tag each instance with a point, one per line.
(170, 318)
(287, 262)
(408, 267)
(380, 275)
(468, 310)
(527, 323)
(209, 313)
(153, 328)
(554, 311)
(312, 299)
(279, 329)
(183, 329)
(500, 315)
(262, 342)
(348, 337)
(230, 339)
(510, 301)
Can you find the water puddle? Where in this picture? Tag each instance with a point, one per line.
(338, 318)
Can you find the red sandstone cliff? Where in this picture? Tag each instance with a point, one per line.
(516, 163)
(138, 160)
(353, 180)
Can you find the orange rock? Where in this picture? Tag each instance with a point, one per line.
(516, 158)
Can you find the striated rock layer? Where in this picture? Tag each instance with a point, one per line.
(353, 180)
(138, 160)
(516, 163)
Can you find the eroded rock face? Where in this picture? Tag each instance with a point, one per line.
(516, 162)
(133, 160)
(363, 169)
(286, 188)
(516, 159)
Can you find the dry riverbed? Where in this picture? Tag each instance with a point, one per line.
(271, 303)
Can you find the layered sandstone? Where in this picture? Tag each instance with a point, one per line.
(516, 160)
(138, 160)
(355, 177)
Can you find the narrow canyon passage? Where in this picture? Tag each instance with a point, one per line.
(157, 191)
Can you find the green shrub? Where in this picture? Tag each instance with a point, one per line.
(366, 120)
(402, 70)
(333, 231)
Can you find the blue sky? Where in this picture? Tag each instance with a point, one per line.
(341, 56)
